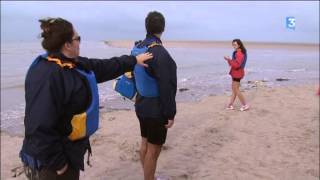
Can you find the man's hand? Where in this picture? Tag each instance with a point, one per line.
(170, 124)
(143, 57)
(62, 170)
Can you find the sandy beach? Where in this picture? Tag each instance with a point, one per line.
(278, 138)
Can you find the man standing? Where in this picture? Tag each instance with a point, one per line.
(155, 102)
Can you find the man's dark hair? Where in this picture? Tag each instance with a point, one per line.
(155, 23)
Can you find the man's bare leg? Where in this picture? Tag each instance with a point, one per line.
(143, 150)
(150, 161)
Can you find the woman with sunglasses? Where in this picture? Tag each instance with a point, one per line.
(62, 102)
(237, 64)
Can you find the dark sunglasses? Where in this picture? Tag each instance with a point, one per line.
(78, 38)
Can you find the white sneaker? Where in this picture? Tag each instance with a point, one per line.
(244, 108)
(230, 107)
(160, 178)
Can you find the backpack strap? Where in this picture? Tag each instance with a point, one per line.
(89, 154)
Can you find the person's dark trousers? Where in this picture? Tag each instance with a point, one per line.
(45, 174)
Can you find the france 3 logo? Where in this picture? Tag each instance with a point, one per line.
(291, 23)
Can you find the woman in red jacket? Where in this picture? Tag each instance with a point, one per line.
(237, 64)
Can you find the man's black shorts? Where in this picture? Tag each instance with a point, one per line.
(153, 129)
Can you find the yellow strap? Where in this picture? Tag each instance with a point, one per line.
(154, 44)
(128, 74)
(59, 62)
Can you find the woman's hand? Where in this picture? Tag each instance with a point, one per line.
(143, 57)
(62, 170)
(227, 58)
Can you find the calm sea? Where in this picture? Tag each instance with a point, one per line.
(201, 72)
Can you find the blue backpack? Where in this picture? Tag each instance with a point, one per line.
(125, 86)
(128, 84)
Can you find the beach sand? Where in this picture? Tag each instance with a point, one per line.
(278, 138)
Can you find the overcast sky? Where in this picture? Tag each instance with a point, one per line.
(190, 20)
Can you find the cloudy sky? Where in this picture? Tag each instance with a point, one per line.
(191, 20)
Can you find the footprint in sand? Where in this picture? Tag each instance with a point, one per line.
(313, 172)
(216, 138)
(223, 117)
(17, 171)
(212, 130)
(129, 151)
(262, 112)
(166, 147)
(111, 118)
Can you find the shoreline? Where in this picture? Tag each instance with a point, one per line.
(217, 44)
(282, 122)
(184, 96)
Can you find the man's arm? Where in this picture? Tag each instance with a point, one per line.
(166, 75)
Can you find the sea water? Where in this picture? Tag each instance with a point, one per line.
(201, 72)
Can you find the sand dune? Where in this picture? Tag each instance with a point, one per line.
(278, 138)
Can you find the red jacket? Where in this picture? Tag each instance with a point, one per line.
(236, 71)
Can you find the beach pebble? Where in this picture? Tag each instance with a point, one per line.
(184, 79)
(112, 118)
(183, 89)
(282, 79)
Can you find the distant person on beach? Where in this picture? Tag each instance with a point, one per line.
(237, 65)
(156, 86)
(62, 102)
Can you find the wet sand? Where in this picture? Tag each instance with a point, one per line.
(278, 138)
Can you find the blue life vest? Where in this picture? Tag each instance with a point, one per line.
(146, 85)
(83, 124)
(127, 85)
(86, 123)
(243, 64)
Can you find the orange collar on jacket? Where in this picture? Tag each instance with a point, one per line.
(68, 65)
